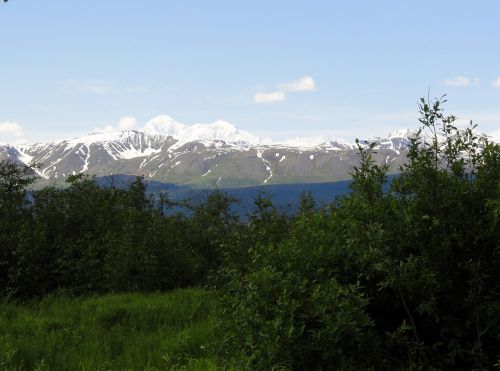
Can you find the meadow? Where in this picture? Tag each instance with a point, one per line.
(155, 331)
(399, 274)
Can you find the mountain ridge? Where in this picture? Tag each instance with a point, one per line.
(203, 154)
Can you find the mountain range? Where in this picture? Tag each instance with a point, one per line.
(203, 155)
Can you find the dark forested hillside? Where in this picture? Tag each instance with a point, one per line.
(401, 273)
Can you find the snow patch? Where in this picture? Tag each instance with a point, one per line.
(324, 141)
(267, 165)
(86, 163)
(133, 153)
(24, 157)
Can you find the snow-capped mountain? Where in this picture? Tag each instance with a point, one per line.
(323, 141)
(168, 151)
(397, 140)
(218, 130)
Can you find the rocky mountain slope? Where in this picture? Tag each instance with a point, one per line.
(167, 151)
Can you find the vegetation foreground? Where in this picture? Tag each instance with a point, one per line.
(400, 274)
(113, 332)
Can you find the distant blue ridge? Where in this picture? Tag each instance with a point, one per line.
(285, 197)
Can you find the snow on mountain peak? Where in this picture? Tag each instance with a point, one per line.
(164, 125)
(326, 141)
(401, 133)
(395, 140)
(218, 130)
(103, 137)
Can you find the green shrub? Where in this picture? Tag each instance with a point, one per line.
(398, 276)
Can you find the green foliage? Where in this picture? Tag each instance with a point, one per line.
(86, 239)
(117, 332)
(404, 274)
(369, 177)
(14, 214)
(213, 225)
(396, 275)
(14, 178)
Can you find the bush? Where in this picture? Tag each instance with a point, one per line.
(399, 276)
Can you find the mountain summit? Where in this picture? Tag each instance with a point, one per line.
(203, 154)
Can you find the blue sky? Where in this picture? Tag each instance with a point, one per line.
(70, 66)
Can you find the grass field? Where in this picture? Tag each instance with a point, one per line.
(173, 331)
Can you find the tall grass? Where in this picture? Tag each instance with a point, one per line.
(113, 332)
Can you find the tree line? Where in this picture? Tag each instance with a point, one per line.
(392, 276)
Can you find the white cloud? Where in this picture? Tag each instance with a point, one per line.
(96, 87)
(496, 83)
(11, 128)
(458, 81)
(127, 123)
(11, 132)
(124, 124)
(305, 83)
(275, 96)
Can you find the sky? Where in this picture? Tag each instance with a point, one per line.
(278, 69)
